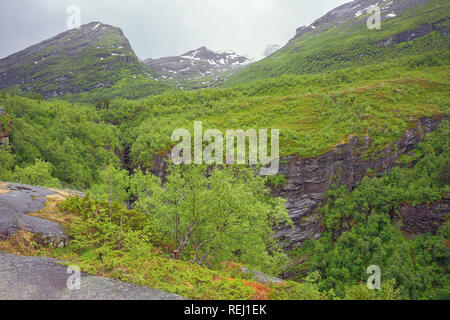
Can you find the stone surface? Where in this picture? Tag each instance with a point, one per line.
(34, 278)
(352, 12)
(261, 277)
(418, 32)
(14, 206)
(422, 219)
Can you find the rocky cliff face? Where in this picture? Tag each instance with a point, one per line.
(203, 65)
(422, 219)
(308, 180)
(74, 61)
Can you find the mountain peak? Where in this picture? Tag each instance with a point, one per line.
(198, 65)
(96, 52)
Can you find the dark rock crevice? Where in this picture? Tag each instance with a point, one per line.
(410, 35)
(422, 219)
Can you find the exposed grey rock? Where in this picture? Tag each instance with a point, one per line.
(410, 35)
(34, 278)
(424, 218)
(261, 277)
(308, 180)
(15, 205)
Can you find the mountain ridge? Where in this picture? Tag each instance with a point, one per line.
(203, 67)
(94, 56)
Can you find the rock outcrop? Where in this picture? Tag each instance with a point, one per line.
(308, 180)
(410, 35)
(34, 278)
(422, 219)
(5, 128)
(16, 202)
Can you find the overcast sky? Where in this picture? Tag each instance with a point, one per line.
(158, 28)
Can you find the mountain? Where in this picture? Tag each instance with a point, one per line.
(92, 57)
(364, 169)
(341, 39)
(202, 67)
(350, 12)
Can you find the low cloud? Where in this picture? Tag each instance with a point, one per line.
(159, 28)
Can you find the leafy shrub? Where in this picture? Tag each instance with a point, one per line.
(38, 174)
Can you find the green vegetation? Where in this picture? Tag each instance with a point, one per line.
(193, 233)
(218, 222)
(82, 66)
(137, 246)
(360, 229)
(71, 138)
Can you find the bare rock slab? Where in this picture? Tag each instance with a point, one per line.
(35, 278)
(18, 200)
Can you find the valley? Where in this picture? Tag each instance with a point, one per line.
(363, 117)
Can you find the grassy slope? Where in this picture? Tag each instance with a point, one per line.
(314, 113)
(351, 45)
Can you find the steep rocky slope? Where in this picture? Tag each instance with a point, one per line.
(424, 218)
(95, 56)
(308, 180)
(202, 66)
